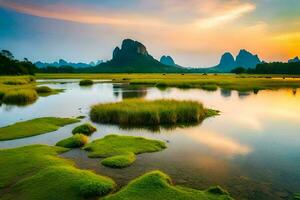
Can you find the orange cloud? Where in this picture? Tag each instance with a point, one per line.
(226, 15)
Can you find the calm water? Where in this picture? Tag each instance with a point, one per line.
(252, 149)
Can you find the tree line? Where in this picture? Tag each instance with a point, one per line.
(271, 68)
(11, 66)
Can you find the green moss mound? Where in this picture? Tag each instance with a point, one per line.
(157, 185)
(119, 161)
(120, 151)
(37, 172)
(20, 97)
(76, 141)
(86, 129)
(142, 112)
(43, 89)
(86, 82)
(33, 127)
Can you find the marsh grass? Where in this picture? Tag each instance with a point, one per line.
(33, 127)
(120, 151)
(157, 185)
(37, 172)
(142, 112)
(86, 82)
(20, 97)
(76, 141)
(86, 129)
(45, 91)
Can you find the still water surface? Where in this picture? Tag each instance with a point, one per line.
(252, 149)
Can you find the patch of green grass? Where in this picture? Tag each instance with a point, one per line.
(120, 149)
(297, 196)
(119, 161)
(157, 185)
(76, 141)
(142, 112)
(86, 129)
(37, 172)
(20, 97)
(45, 91)
(86, 82)
(33, 127)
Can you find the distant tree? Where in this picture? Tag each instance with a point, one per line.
(7, 54)
(10, 66)
(238, 70)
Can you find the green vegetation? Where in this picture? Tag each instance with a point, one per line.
(297, 196)
(22, 90)
(76, 141)
(33, 127)
(142, 112)
(46, 91)
(20, 97)
(86, 129)
(10, 66)
(120, 151)
(225, 81)
(157, 185)
(119, 161)
(86, 82)
(37, 172)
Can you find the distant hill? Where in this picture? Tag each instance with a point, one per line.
(62, 62)
(244, 59)
(294, 60)
(167, 60)
(133, 57)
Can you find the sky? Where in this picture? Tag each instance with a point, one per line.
(194, 32)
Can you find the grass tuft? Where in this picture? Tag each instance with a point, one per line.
(157, 185)
(76, 141)
(142, 112)
(86, 82)
(120, 151)
(33, 127)
(86, 129)
(43, 89)
(120, 161)
(20, 97)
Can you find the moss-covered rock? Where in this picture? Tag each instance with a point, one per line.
(86, 129)
(76, 141)
(37, 172)
(157, 185)
(120, 151)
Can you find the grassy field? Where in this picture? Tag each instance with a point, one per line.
(120, 151)
(158, 112)
(157, 185)
(209, 82)
(33, 127)
(37, 172)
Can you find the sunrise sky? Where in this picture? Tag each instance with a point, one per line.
(194, 32)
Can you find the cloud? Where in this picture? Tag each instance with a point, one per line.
(226, 15)
(73, 14)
